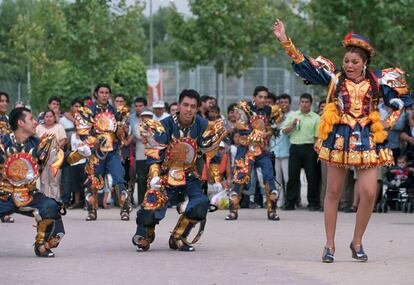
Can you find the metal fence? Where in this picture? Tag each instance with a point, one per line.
(16, 90)
(205, 80)
(229, 90)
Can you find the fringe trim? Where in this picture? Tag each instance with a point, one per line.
(377, 128)
(330, 117)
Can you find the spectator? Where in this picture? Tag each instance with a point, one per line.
(213, 113)
(126, 148)
(301, 126)
(407, 136)
(68, 123)
(394, 133)
(49, 184)
(159, 111)
(4, 130)
(141, 169)
(77, 175)
(205, 105)
(271, 98)
(280, 148)
(68, 119)
(173, 108)
(233, 117)
(19, 104)
(120, 100)
(53, 104)
(211, 102)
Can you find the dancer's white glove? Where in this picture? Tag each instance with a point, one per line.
(84, 150)
(155, 183)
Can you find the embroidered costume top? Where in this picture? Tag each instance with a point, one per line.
(100, 122)
(4, 125)
(21, 165)
(351, 132)
(255, 125)
(172, 149)
(100, 127)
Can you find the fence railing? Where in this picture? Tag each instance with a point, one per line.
(228, 90)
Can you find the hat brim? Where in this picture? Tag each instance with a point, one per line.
(359, 43)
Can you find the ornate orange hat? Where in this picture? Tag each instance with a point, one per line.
(352, 39)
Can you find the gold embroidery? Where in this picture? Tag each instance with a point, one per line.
(357, 93)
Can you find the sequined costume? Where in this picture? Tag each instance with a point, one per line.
(21, 165)
(4, 125)
(351, 132)
(254, 129)
(102, 129)
(172, 151)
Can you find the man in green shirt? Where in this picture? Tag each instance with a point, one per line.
(302, 129)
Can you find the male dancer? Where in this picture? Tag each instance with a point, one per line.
(22, 159)
(102, 128)
(172, 148)
(255, 130)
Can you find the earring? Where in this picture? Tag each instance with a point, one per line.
(364, 70)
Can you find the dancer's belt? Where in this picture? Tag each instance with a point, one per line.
(22, 195)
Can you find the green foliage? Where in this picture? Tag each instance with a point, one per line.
(59, 79)
(387, 24)
(227, 33)
(161, 50)
(69, 47)
(130, 78)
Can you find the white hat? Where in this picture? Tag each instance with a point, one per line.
(158, 104)
(147, 113)
(222, 144)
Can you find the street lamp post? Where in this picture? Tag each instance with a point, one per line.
(151, 35)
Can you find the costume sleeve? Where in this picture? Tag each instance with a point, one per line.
(84, 126)
(155, 138)
(49, 153)
(122, 118)
(396, 93)
(317, 71)
(211, 137)
(243, 124)
(276, 114)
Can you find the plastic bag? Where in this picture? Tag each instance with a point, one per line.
(221, 200)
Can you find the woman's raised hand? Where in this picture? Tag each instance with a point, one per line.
(279, 30)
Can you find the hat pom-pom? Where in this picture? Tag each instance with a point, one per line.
(348, 36)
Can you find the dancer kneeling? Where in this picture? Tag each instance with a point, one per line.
(172, 146)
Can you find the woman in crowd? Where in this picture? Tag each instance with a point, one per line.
(49, 182)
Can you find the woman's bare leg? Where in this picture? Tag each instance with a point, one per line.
(367, 188)
(335, 182)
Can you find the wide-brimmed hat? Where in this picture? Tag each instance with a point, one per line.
(147, 113)
(158, 104)
(356, 40)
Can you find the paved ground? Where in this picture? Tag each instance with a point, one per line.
(251, 250)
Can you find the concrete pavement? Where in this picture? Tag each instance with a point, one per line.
(251, 250)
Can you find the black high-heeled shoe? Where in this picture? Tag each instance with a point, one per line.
(328, 255)
(232, 216)
(359, 254)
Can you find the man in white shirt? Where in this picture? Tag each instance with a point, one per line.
(158, 108)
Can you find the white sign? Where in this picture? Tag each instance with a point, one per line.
(153, 77)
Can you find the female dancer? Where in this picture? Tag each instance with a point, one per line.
(351, 132)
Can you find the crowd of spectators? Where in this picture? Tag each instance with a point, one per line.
(291, 147)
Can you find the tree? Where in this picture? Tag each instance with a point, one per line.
(67, 47)
(387, 23)
(161, 38)
(130, 78)
(228, 33)
(97, 37)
